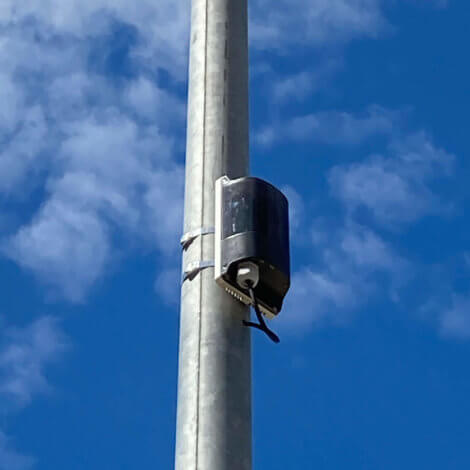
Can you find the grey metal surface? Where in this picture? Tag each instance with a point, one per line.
(214, 383)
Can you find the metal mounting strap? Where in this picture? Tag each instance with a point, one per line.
(193, 269)
(189, 237)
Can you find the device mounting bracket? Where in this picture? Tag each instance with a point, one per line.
(188, 238)
(193, 269)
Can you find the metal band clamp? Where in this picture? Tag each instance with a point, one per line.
(189, 237)
(193, 269)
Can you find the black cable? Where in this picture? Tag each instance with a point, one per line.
(262, 324)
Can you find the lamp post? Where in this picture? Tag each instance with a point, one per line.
(214, 382)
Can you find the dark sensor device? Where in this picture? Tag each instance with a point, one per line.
(252, 259)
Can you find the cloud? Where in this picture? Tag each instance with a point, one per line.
(148, 101)
(99, 144)
(395, 188)
(110, 174)
(12, 103)
(444, 296)
(168, 286)
(454, 321)
(314, 22)
(351, 263)
(433, 3)
(317, 298)
(296, 87)
(369, 252)
(22, 158)
(162, 26)
(24, 355)
(66, 248)
(467, 258)
(296, 207)
(354, 265)
(333, 127)
(11, 460)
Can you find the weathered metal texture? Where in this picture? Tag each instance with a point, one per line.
(214, 384)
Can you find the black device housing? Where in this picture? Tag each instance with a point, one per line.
(254, 226)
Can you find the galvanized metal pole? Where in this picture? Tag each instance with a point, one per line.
(214, 384)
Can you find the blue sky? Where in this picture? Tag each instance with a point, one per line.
(358, 111)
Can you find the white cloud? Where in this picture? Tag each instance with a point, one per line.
(300, 85)
(162, 25)
(11, 460)
(455, 320)
(24, 355)
(148, 101)
(67, 248)
(317, 298)
(354, 265)
(333, 127)
(164, 208)
(102, 152)
(111, 174)
(168, 285)
(434, 3)
(396, 188)
(22, 156)
(466, 257)
(314, 22)
(368, 251)
(296, 207)
(294, 86)
(12, 101)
